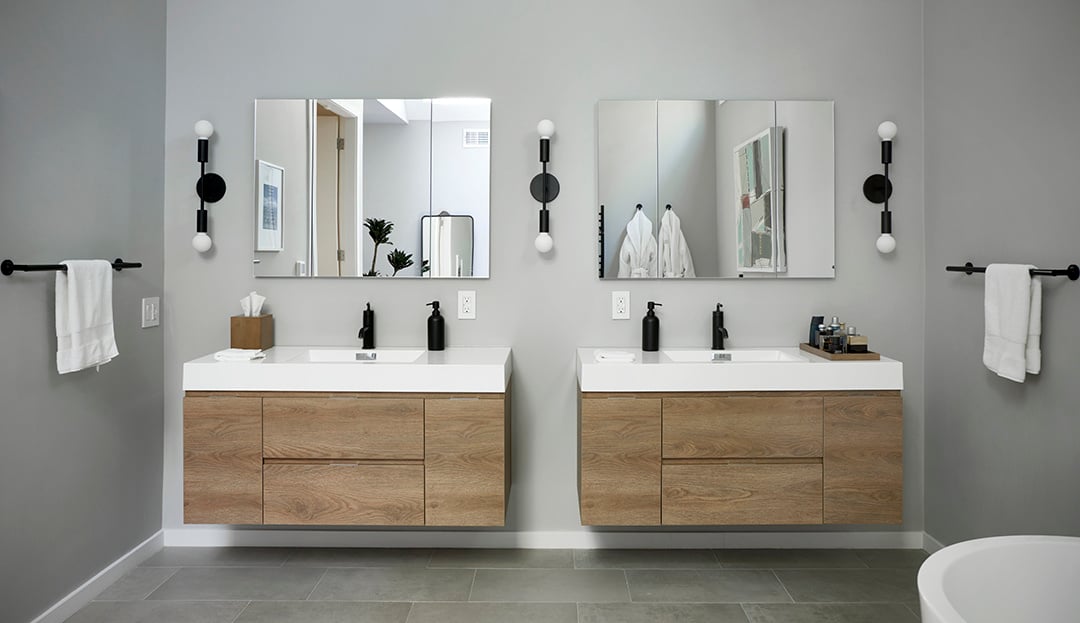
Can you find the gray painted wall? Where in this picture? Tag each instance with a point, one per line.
(1001, 93)
(81, 112)
(544, 306)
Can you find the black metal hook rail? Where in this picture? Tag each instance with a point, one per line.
(7, 267)
(1072, 272)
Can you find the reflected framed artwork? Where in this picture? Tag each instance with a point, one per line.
(268, 219)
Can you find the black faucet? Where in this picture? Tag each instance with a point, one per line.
(719, 333)
(367, 332)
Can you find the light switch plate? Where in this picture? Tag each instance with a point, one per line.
(466, 304)
(620, 305)
(151, 312)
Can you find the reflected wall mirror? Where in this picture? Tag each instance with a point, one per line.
(715, 189)
(390, 188)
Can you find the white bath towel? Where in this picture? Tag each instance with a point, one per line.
(1013, 306)
(84, 318)
(239, 354)
(675, 260)
(637, 255)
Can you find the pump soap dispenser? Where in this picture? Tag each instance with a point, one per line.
(436, 328)
(650, 329)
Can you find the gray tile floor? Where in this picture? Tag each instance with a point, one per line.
(279, 585)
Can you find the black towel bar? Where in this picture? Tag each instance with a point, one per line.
(7, 267)
(1072, 272)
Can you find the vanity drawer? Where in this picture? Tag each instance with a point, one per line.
(343, 493)
(742, 427)
(742, 492)
(343, 428)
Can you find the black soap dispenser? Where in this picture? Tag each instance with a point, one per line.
(650, 329)
(436, 328)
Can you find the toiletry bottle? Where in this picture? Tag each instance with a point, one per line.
(815, 324)
(436, 328)
(650, 329)
(823, 332)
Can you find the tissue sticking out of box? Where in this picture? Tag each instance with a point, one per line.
(252, 304)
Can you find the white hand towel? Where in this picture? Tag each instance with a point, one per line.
(239, 354)
(1010, 292)
(84, 318)
(1033, 354)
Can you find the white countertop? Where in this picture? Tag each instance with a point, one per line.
(657, 372)
(289, 368)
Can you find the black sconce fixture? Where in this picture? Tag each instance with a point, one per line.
(877, 188)
(210, 187)
(544, 187)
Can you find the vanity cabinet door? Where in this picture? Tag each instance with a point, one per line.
(343, 428)
(864, 459)
(742, 427)
(465, 462)
(223, 460)
(742, 493)
(619, 461)
(352, 493)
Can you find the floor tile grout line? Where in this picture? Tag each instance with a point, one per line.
(781, 583)
(472, 585)
(626, 578)
(408, 615)
(577, 611)
(238, 614)
(169, 577)
(317, 582)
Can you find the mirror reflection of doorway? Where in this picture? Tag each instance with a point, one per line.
(336, 189)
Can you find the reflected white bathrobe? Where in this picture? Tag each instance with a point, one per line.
(637, 255)
(675, 260)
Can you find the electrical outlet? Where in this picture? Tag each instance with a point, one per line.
(466, 305)
(620, 305)
(151, 312)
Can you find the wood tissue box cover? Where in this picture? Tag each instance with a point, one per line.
(252, 332)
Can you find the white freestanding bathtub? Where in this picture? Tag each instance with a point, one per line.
(1011, 579)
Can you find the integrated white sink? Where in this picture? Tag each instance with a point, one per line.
(749, 369)
(327, 369)
(731, 355)
(381, 355)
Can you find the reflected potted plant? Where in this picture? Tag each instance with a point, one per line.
(379, 230)
(399, 260)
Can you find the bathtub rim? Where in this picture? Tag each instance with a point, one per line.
(931, 578)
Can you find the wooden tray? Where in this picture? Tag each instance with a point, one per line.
(870, 356)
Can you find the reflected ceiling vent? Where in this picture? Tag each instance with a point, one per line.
(476, 138)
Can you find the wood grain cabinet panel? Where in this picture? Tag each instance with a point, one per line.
(465, 462)
(619, 461)
(343, 428)
(333, 493)
(864, 459)
(223, 460)
(742, 493)
(742, 427)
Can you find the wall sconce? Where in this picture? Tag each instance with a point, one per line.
(210, 187)
(877, 188)
(544, 187)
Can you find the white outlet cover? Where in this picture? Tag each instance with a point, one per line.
(151, 312)
(620, 305)
(466, 304)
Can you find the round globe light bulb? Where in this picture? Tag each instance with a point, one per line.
(546, 128)
(202, 242)
(204, 129)
(887, 130)
(886, 243)
(543, 242)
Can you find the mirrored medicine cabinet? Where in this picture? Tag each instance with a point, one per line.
(715, 189)
(387, 188)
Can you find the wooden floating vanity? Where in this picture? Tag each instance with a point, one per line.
(343, 458)
(704, 458)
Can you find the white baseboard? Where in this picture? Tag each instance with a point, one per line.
(931, 544)
(570, 539)
(63, 609)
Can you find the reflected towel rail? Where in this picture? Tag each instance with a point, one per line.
(1072, 272)
(7, 267)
